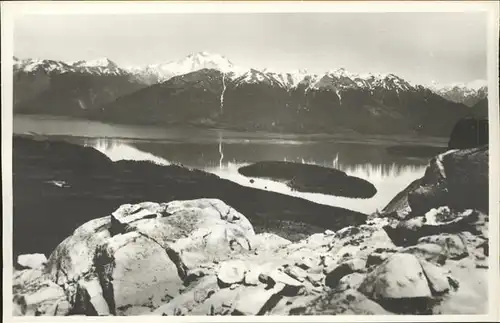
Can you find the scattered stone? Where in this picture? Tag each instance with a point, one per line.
(349, 302)
(400, 276)
(32, 261)
(252, 276)
(280, 277)
(440, 216)
(220, 303)
(267, 241)
(305, 263)
(428, 251)
(315, 279)
(41, 298)
(265, 279)
(296, 272)
(332, 278)
(144, 310)
(231, 272)
(412, 224)
(375, 259)
(482, 264)
(195, 274)
(357, 264)
(437, 277)
(197, 293)
(329, 232)
(18, 306)
(350, 281)
(453, 245)
(254, 299)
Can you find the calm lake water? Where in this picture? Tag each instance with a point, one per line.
(222, 152)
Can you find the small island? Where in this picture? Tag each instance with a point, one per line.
(311, 178)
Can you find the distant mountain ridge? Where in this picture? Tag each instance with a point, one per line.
(468, 94)
(68, 89)
(209, 90)
(100, 66)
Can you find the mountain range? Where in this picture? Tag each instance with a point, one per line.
(206, 89)
(468, 94)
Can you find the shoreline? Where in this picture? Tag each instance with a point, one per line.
(92, 181)
(339, 137)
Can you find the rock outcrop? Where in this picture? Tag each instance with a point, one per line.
(469, 132)
(202, 257)
(457, 179)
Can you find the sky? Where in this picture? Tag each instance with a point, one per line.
(420, 47)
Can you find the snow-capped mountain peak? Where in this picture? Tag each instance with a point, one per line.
(475, 85)
(103, 62)
(194, 62)
(339, 79)
(200, 60)
(468, 93)
(191, 63)
(46, 65)
(99, 66)
(342, 72)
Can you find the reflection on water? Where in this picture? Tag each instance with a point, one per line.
(222, 152)
(119, 150)
(389, 174)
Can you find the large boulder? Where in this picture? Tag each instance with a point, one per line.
(141, 255)
(457, 179)
(405, 284)
(400, 276)
(467, 178)
(134, 270)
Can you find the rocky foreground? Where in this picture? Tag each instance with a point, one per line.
(426, 253)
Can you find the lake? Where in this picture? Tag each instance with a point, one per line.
(222, 152)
